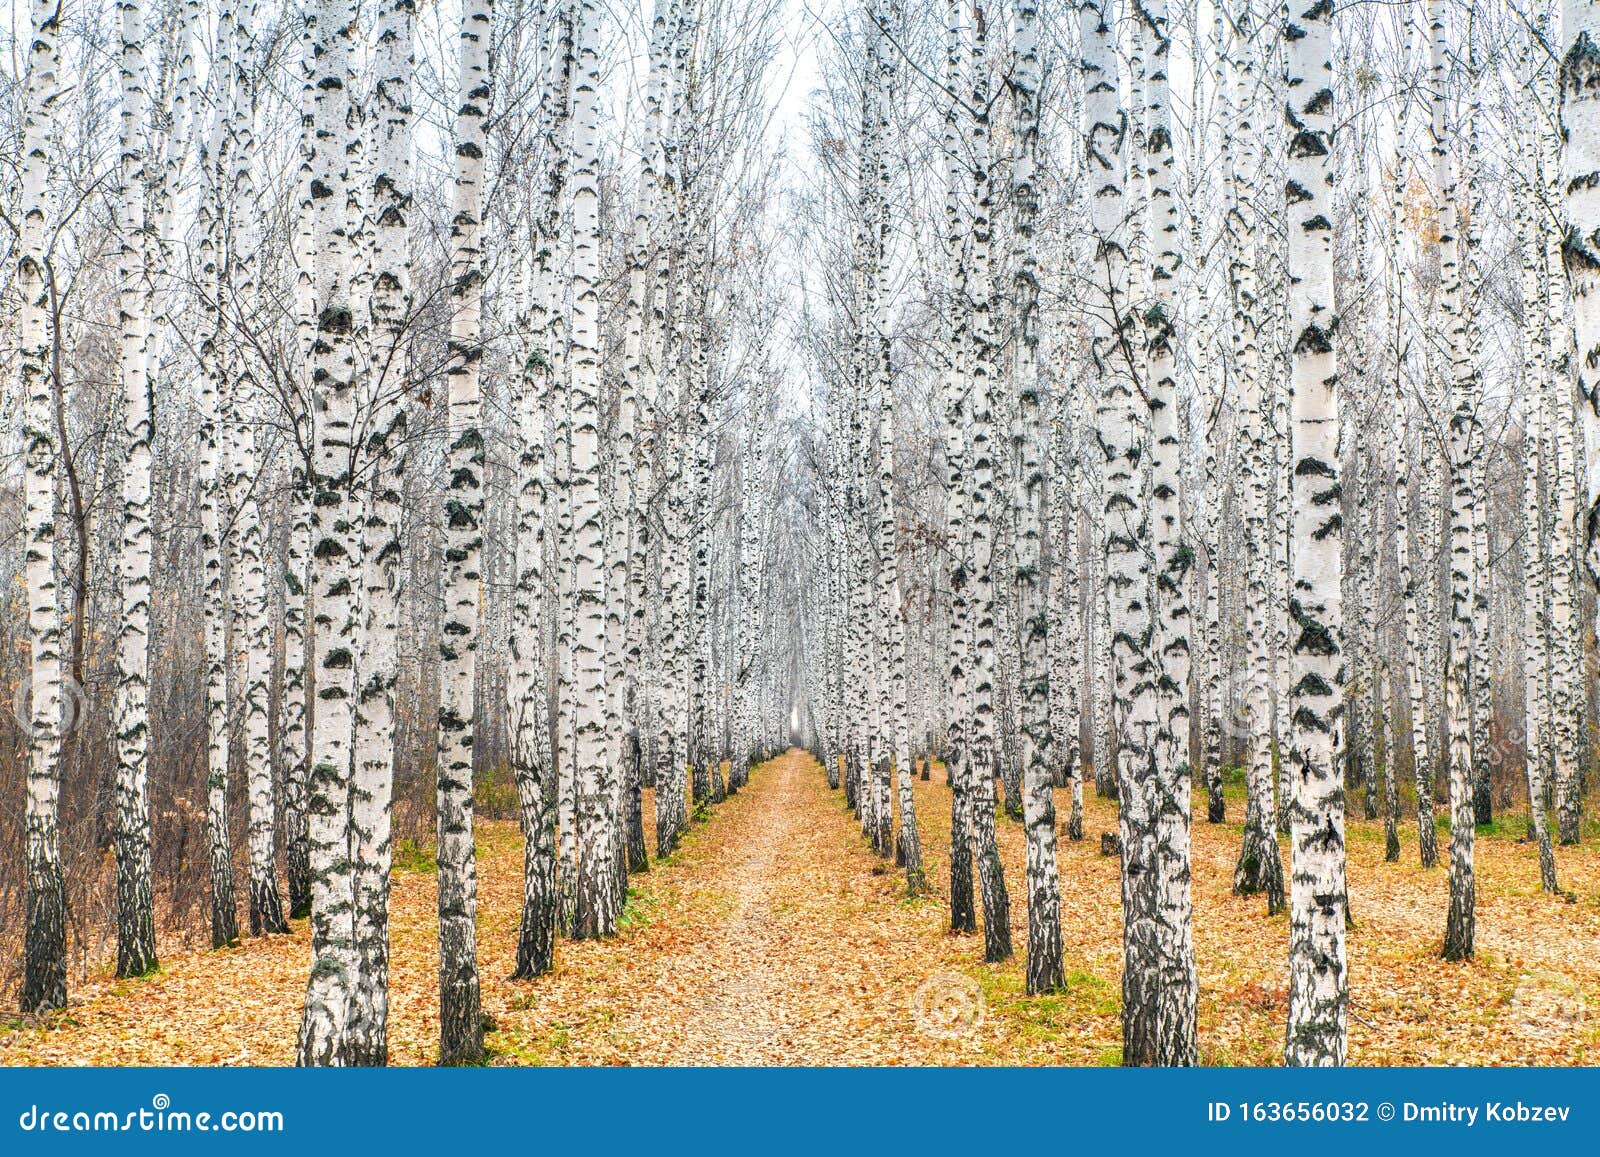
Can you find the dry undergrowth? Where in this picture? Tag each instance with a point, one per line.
(774, 937)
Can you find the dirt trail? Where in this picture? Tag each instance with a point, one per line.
(773, 937)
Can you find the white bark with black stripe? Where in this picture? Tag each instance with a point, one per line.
(1319, 994)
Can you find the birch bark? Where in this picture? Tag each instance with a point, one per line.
(460, 1023)
(1580, 252)
(1259, 868)
(136, 934)
(1029, 439)
(1318, 901)
(595, 911)
(44, 978)
(384, 463)
(239, 402)
(1461, 451)
(335, 515)
(963, 913)
(224, 906)
(991, 876)
(1160, 1029)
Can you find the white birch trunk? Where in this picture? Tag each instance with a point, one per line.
(1029, 435)
(239, 400)
(1415, 659)
(297, 705)
(1535, 634)
(460, 1022)
(1161, 1028)
(335, 548)
(1318, 901)
(595, 910)
(384, 461)
(963, 914)
(1580, 252)
(44, 979)
(136, 934)
(224, 913)
(1462, 447)
(985, 748)
(1259, 868)
(528, 702)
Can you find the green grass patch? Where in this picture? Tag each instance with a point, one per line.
(494, 793)
(39, 1022)
(411, 856)
(639, 909)
(1365, 831)
(513, 1046)
(1050, 1016)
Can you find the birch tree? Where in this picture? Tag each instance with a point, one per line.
(209, 221)
(239, 399)
(44, 981)
(1580, 251)
(963, 914)
(1159, 1028)
(1259, 868)
(335, 549)
(460, 1022)
(388, 207)
(1029, 520)
(136, 935)
(595, 914)
(991, 873)
(1319, 994)
(1462, 449)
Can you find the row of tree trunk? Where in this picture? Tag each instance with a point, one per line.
(1190, 582)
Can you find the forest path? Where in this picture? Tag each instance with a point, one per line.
(774, 936)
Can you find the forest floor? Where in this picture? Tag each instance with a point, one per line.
(774, 936)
